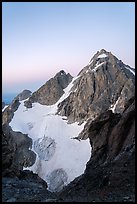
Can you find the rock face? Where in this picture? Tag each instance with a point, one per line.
(24, 95)
(15, 151)
(104, 83)
(50, 92)
(110, 173)
(8, 113)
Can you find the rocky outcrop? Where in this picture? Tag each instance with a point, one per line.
(102, 84)
(110, 173)
(51, 91)
(8, 113)
(16, 152)
(23, 95)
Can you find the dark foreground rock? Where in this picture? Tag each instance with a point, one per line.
(19, 185)
(28, 187)
(15, 152)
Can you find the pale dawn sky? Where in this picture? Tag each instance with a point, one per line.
(41, 38)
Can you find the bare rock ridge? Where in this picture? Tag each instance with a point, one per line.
(104, 83)
(23, 95)
(9, 111)
(51, 91)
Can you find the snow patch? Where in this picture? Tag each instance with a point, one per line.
(97, 66)
(90, 62)
(4, 107)
(102, 55)
(87, 71)
(113, 107)
(133, 72)
(67, 91)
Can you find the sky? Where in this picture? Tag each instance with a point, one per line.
(41, 38)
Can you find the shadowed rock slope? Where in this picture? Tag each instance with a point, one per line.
(110, 173)
(19, 185)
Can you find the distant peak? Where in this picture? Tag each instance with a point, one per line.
(61, 72)
(103, 55)
(103, 51)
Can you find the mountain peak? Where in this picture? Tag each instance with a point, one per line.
(102, 55)
(103, 51)
(61, 72)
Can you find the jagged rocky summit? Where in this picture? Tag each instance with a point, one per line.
(96, 105)
(105, 83)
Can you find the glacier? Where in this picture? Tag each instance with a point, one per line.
(59, 157)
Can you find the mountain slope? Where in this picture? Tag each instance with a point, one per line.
(55, 114)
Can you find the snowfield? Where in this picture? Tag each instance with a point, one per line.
(60, 158)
